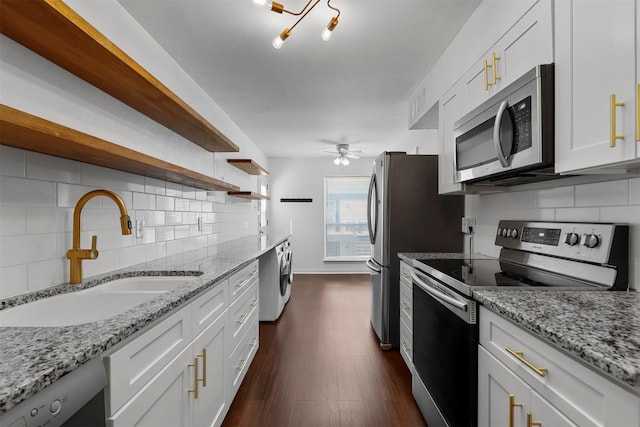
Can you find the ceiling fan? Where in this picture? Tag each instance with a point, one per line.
(343, 154)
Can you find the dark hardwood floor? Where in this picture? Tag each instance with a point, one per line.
(320, 364)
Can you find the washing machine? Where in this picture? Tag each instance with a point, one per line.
(276, 278)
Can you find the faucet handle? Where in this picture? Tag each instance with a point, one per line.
(93, 253)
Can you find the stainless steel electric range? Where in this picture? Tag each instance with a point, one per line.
(537, 255)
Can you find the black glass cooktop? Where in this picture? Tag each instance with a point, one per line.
(478, 273)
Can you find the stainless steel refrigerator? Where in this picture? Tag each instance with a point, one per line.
(405, 213)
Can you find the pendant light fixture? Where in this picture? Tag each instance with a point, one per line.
(279, 8)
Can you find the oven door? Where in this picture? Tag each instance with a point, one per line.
(445, 353)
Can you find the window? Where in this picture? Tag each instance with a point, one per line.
(346, 235)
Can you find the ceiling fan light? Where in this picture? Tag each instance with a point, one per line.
(345, 161)
(328, 31)
(279, 41)
(337, 161)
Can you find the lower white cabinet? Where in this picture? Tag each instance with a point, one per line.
(522, 381)
(406, 314)
(186, 369)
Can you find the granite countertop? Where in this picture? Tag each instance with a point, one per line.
(598, 327)
(35, 357)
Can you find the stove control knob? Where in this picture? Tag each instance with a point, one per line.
(590, 240)
(499, 231)
(505, 232)
(514, 234)
(572, 239)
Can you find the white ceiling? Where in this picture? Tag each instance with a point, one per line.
(309, 95)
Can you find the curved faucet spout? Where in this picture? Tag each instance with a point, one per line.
(75, 254)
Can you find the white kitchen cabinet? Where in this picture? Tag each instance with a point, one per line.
(555, 388)
(406, 314)
(529, 42)
(450, 110)
(189, 391)
(505, 400)
(596, 57)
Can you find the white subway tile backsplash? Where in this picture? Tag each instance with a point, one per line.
(142, 201)
(130, 182)
(561, 197)
(578, 214)
(26, 192)
(634, 191)
(13, 220)
(49, 220)
(12, 162)
(99, 177)
(164, 203)
(38, 194)
(154, 186)
(48, 168)
(13, 280)
(609, 193)
(45, 274)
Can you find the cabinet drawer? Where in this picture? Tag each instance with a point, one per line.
(209, 306)
(405, 273)
(240, 314)
(239, 280)
(132, 366)
(406, 344)
(240, 359)
(584, 396)
(406, 305)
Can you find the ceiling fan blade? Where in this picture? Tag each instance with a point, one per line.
(353, 156)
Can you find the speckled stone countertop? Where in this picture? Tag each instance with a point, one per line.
(601, 328)
(35, 357)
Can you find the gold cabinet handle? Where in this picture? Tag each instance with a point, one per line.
(496, 58)
(243, 316)
(404, 305)
(203, 355)
(253, 342)
(254, 303)
(486, 75)
(530, 422)
(614, 104)
(243, 362)
(404, 346)
(241, 283)
(520, 356)
(512, 404)
(406, 276)
(638, 114)
(194, 390)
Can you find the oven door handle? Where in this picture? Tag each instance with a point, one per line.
(438, 294)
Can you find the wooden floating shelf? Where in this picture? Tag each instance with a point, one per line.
(248, 195)
(29, 132)
(56, 32)
(249, 166)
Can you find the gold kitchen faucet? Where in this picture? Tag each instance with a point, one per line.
(75, 254)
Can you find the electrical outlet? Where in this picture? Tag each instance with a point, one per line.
(468, 225)
(139, 229)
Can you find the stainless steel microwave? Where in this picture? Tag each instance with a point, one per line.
(508, 140)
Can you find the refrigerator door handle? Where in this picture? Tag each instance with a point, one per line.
(372, 265)
(372, 209)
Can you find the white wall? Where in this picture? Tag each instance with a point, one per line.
(38, 194)
(296, 178)
(614, 201)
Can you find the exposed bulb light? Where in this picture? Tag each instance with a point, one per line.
(328, 31)
(341, 160)
(279, 41)
(345, 161)
(336, 161)
(279, 8)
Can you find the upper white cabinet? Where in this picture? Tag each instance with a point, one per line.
(450, 110)
(596, 83)
(529, 42)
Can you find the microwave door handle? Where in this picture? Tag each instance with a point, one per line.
(497, 134)
(437, 294)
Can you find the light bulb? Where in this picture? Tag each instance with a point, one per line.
(326, 34)
(345, 161)
(262, 3)
(277, 42)
(336, 161)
